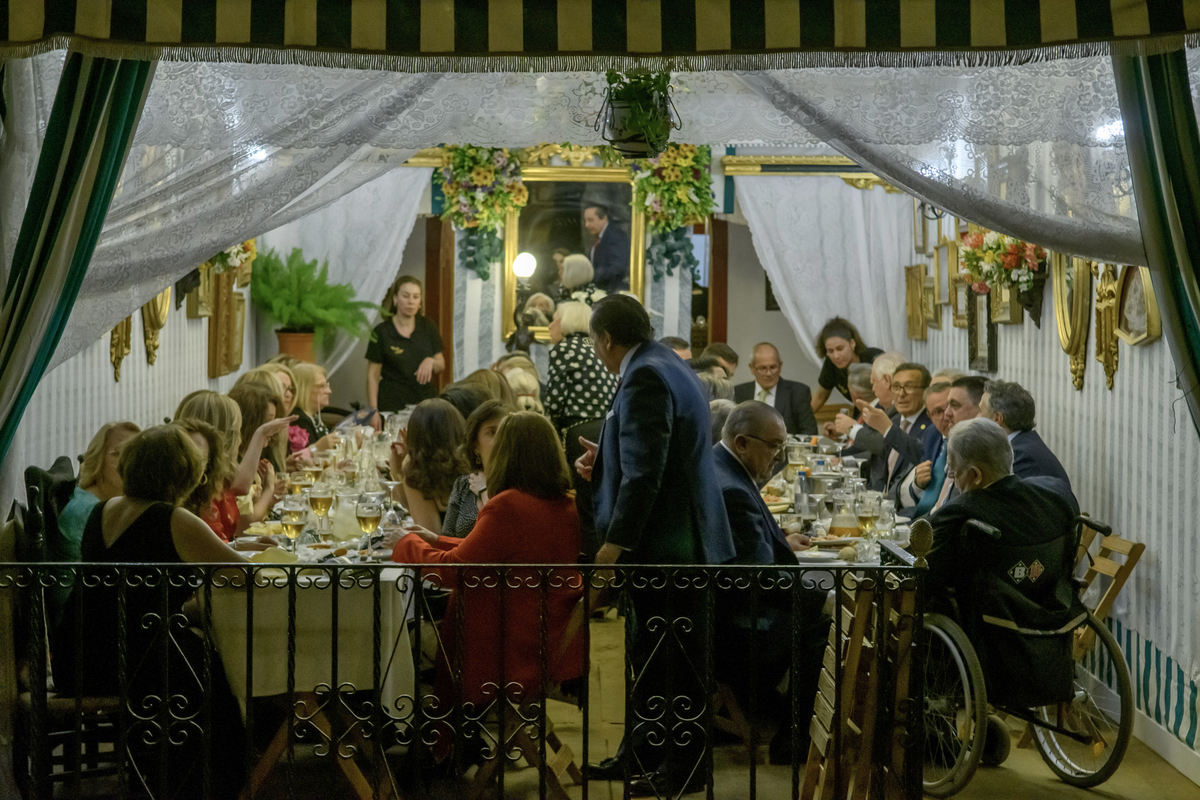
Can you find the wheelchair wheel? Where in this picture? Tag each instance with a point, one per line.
(955, 708)
(1101, 711)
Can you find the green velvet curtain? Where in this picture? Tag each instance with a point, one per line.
(1164, 159)
(91, 125)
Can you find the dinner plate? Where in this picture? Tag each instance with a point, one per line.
(777, 508)
(815, 555)
(903, 520)
(836, 542)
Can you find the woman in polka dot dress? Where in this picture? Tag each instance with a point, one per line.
(578, 386)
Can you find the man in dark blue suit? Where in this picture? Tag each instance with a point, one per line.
(792, 399)
(754, 628)
(1011, 407)
(610, 252)
(897, 443)
(657, 501)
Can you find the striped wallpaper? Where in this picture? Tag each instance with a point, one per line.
(1133, 457)
(78, 396)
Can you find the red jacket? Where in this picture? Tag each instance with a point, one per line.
(513, 528)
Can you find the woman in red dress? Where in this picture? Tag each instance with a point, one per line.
(530, 519)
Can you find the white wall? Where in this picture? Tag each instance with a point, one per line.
(1133, 456)
(79, 396)
(750, 322)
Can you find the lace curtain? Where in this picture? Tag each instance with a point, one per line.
(362, 249)
(831, 250)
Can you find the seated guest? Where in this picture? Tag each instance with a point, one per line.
(497, 388)
(925, 484)
(859, 382)
(312, 394)
(528, 392)
(287, 386)
(517, 360)
(681, 346)
(899, 442)
(709, 364)
(792, 399)
(725, 355)
(466, 397)
(286, 359)
(530, 519)
(159, 468)
(756, 651)
(432, 461)
(578, 387)
(719, 410)
(838, 346)
(880, 371)
(219, 468)
(542, 303)
(587, 431)
(1011, 407)
(577, 283)
(717, 388)
(469, 492)
(1000, 599)
(272, 382)
(258, 407)
(962, 404)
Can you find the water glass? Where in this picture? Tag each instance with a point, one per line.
(886, 520)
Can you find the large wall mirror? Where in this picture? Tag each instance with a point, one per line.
(1072, 285)
(573, 209)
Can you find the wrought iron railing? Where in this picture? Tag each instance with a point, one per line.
(375, 669)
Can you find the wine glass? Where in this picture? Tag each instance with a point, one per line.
(369, 512)
(817, 504)
(320, 499)
(886, 520)
(293, 515)
(868, 513)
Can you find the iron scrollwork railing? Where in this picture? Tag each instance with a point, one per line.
(399, 675)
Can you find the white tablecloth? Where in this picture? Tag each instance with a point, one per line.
(314, 636)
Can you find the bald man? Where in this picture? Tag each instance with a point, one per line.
(792, 399)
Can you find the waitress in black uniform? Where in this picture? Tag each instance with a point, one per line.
(405, 353)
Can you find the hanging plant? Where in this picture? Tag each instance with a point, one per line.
(481, 186)
(670, 250)
(674, 188)
(993, 260)
(637, 116)
(478, 249)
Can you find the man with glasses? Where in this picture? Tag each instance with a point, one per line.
(792, 399)
(898, 443)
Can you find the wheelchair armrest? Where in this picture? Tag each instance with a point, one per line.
(988, 530)
(1094, 524)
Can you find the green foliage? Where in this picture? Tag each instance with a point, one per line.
(647, 94)
(478, 250)
(297, 295)
(670, 250)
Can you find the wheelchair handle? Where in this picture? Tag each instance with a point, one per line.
(988, 530)
(1095, 524)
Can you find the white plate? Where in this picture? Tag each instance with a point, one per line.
(816, 555)
(849, 540)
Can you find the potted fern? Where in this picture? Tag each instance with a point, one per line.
(637, 116)
(309, 310)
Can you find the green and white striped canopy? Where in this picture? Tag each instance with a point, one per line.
(555, 35)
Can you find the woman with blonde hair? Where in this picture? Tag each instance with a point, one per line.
(272, 381)
(527, 390)
(517, 361)
(578, 385)
(497, 387)
(577, 280)
(312, 394)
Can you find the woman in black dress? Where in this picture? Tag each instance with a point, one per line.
(160, 467)
(839, 345)
(405, 351)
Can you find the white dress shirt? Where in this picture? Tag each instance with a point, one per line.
(769, 399)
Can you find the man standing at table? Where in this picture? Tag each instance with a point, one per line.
(609, 253)
(657, 501)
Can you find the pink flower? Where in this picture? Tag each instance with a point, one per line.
(297, 438)
(979, 288)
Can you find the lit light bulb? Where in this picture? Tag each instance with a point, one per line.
(524, 265)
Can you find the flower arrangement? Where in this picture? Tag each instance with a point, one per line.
(234, 257)
(992, 260)
(675, 186)
(481, 186)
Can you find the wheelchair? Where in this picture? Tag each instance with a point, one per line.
(1082, 740)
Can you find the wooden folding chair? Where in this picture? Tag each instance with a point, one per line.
(729, 717)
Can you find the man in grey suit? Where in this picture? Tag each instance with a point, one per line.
(792, 399)
(1012, 407)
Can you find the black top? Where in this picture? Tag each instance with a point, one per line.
(578, 385)
(314, 427)
(400, 357)
(835, 378)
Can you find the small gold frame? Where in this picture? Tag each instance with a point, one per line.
(637, 238)
(960, 293)
(200, 299)
(154, 318)
(120, 344)
(931, 310)
(1107, 352)
(920, 229)
(1005, 308)
(1072, 306)
(1137, 279)
(914, 304)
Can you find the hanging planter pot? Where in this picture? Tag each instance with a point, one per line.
(638, 116)
(1031, 298)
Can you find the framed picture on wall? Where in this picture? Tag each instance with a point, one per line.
(1005, 308)
(914, 301)
(960, 294)
(981, 333)
(920, 229)
(1137, 310)
(931, 309)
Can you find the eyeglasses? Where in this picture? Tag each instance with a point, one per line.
(907, 388)
(776, 449)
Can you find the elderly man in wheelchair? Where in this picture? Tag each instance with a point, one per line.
(1006, 626)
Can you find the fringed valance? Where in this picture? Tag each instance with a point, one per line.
(571, 35)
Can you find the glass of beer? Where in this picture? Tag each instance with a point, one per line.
(320, 499)
(369, 511)
(868, 513)
(293, 515)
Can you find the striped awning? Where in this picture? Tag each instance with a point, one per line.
(557, 35)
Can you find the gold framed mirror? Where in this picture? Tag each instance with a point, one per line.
(1072, 287)
(531, 229)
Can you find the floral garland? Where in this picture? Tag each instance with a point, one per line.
(481, 186)
(990, 260)
(674, 186)
(235, 257)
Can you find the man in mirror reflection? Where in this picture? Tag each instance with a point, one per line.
(609, 253)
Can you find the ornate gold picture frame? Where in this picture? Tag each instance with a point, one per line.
(1005, 308)
(200, 299)
(931, 310)
(959, 296)
(154, 318)
(1071, 282)
(914, 303)
(982, 350)
(1138, 322)
(920, 229)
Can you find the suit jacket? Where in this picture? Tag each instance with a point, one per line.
(910, 446)
(792, 399)
(610, 260)
(757, 538)
(1031, 457)
(654, 485)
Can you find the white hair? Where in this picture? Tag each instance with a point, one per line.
(577, 270)
(525, 387)
(886, 363)
(574, 317)
(981, 443)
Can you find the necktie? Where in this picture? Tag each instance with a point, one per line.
(894, 456)
(762, 395)
(937, 480)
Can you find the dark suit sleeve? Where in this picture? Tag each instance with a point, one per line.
(870, 441)
(747, 526)
(804, 418)
(645, 438)
(909, 446)
(945, 554)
